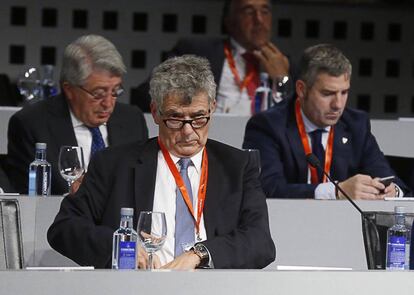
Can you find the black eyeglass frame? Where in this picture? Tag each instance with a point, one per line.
(183, 122)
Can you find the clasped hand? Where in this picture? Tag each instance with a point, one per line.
(364, 187)
(187, 260)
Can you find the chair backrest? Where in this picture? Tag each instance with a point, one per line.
(374, 229)
(11, 244)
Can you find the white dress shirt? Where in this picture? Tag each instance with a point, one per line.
(84, 137)
(165, 197)
(229, 97)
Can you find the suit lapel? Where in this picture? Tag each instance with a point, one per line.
(292, 134)
(342, 151)
(60, 125)
(145, 174)
(213, 191)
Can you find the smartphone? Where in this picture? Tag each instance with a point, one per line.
(386, 181)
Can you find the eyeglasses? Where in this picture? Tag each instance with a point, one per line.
(100, 94)
(177, 124)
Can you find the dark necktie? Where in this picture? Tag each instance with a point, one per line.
(251, 69)
(317, 149)
(184, 222)
(97, 140)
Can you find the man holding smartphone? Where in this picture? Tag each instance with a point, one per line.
(319, 122)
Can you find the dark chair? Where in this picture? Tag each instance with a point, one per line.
(11, 244)
(374, 229)
(9, 94)
(404, 168)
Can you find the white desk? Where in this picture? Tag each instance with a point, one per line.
(306, 232)
(205, 282)
(394, 137)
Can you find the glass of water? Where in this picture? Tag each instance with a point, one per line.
(29, 84)
(152, 232)
(71, 163)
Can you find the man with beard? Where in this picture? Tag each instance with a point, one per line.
(319, 122)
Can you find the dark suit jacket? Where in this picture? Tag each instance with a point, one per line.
(49, 121)
(284, 166)
(235, 212)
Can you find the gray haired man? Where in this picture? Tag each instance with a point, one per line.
(86, 114)
(215, 209)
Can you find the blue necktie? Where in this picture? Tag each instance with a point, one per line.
(97, 140)
(184, 222)
(317, 149)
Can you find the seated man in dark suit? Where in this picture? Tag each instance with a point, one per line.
(319, 122)
(233, 229)
(237, 60)
(87, 113)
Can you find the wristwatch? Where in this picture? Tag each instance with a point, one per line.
(201, 251)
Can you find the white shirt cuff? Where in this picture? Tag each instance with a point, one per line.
(325, 191)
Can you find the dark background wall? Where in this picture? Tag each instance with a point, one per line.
(378, 38)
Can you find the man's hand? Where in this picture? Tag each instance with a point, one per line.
(75, 185)
(187, 260)
(275, 63)
(143, 259)
(363, 187)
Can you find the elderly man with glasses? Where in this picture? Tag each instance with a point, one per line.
(86, 114)
(215, 209)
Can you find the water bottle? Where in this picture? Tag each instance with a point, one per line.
(398, 242)
(124, 249)
(262, 97)
(40, 173)
(48, 83)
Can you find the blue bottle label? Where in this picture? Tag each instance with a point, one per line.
(127, 255)
(32, 183)
(396, 252)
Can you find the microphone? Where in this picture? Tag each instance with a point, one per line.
(314, 162)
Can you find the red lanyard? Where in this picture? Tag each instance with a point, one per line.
(180, 184)
(232, 64)
(306, 146)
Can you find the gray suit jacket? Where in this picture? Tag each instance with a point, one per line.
(49, 121)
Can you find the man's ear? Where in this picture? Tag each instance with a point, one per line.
(213, 105)
(300, 89)
(67, 90)
(154, 113)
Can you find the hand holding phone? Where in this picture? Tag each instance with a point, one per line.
(386, 181)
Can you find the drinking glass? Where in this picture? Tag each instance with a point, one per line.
(255, 158)
(282, 88)
(29, 84)
(71, 163)
(152, 232)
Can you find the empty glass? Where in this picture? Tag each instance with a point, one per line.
(282, 88)
(152, 232)
(29, 84)
(71, 163)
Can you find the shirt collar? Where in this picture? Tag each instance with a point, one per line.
(196, 159)
(237, 49)
(309, 126)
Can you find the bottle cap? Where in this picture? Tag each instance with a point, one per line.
(127, 211)
(399, 210)
(41, 145)
(264, 76)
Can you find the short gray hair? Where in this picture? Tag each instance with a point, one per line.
(89, 53)
(323, 58)
(184, 76)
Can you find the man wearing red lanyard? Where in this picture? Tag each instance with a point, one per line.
(215, 209)
(319, 122)
(237, 60)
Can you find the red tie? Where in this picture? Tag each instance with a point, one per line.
(251, 69)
